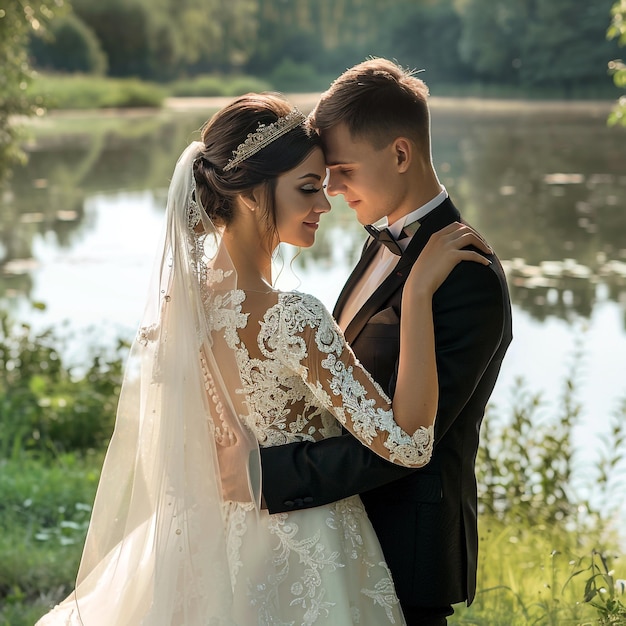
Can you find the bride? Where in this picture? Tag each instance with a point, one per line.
(224, 363)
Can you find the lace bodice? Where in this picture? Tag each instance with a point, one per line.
(301, 379)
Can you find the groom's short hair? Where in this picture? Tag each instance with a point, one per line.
(378, 101)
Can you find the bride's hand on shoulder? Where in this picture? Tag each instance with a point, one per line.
(444, 250)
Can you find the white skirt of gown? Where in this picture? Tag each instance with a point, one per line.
(319, 566)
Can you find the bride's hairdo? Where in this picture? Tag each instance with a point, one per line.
(277, 141)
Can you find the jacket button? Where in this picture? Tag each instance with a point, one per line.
(289, 504)
(308, 500)
(298, 502)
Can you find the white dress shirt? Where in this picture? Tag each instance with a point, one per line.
(384, 260)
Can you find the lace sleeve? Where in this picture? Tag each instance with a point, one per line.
(302, 334)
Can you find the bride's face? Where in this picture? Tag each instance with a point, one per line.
(300, 201)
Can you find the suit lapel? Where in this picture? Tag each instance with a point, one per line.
(443, 215)
(368, 254)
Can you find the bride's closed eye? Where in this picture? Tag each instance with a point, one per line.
(311, 188)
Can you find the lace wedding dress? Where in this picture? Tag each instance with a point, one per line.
(321, 565)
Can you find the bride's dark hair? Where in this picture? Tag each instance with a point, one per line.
(216, 188)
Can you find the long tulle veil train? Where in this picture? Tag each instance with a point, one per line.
(155, 553)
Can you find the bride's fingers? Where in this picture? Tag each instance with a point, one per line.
(472, 239)
(461, 235)
(470, 255)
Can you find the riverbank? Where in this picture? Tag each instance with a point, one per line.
(306, 101)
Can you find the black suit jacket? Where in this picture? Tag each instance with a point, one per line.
(425, 519)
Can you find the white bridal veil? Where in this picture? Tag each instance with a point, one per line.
(155, 552)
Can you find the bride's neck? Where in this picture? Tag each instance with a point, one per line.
(250, 254)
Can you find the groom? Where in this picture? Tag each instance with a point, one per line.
(375, 127)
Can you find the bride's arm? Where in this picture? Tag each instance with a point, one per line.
(312, 345)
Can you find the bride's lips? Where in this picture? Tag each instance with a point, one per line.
(314, 225)
(352, 203)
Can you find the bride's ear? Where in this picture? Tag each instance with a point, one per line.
(251, 198)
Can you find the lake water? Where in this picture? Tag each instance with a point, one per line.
(545, 183)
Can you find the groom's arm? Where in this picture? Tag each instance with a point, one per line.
(308, 474)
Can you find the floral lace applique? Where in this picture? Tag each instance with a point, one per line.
(383, 594)
(287, 328)
(236, 527)
(306, 588)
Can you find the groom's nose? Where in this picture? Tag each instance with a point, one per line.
(334, 186)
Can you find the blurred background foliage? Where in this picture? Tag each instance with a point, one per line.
(155, 48)
(556, 43)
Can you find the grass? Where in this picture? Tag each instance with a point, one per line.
(530, 575)
(93, 92)
(44, 513)
(81, 92)
(210, 86)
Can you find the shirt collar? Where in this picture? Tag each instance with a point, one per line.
(396, 228)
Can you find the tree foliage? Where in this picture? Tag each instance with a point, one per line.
(18, 19)
(617, 30)
(68, 46)
(560, 44)
(538, 43)
(555, 46)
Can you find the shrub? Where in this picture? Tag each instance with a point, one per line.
(293, 77)
(43, 407)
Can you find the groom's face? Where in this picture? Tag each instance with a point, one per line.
(367, 177)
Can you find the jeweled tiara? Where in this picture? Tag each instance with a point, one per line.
(264, 136)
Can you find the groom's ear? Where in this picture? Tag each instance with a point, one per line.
(403, 152)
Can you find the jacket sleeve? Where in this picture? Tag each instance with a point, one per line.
(308, 474)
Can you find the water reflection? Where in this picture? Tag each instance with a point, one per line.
(546, 185)
(549, 188)
(70, 159)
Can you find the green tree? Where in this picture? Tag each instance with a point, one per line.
(539, 43)
(127, 31)
(69, 46)
(564, 45)
(426, 36)
(490, 40)
(18, 19)
(617, 30)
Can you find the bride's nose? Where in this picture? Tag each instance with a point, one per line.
(323, 206)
